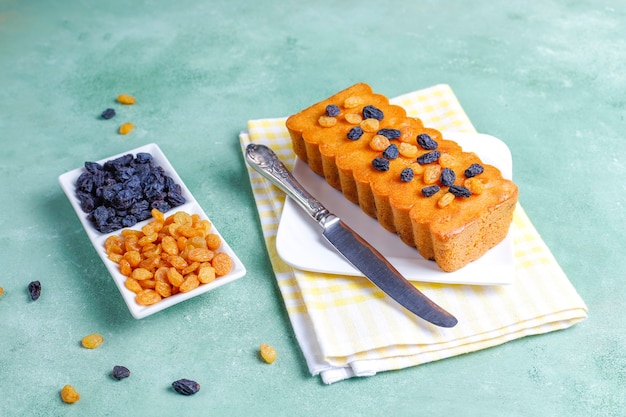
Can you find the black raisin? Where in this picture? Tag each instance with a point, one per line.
(129, 220)
(407, 175)
(428, 158)
(34, 290)
(122, 191)
(120, 372)
(143, 158)
(371, 112)
(391, 152)
(460, 191)
(332, 110)
(473, 170)
(390, 133)
(93, 167)
(426, 142)
(430, 191)
(355, 133)
(381, 164)
(186, 386)
(447, 177)
(108, 113)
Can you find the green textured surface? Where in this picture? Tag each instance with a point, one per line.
(549, 78)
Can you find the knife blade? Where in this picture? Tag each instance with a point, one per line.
(356, 250)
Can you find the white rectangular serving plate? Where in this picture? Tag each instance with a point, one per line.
(191, 206)
(299, 241)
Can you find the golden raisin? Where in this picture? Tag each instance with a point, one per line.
(69, 394)
(1, 291)
(177, 262)
(446, 160)
(163, 289)
(353, 118)
(200, 255)
(125, 268)
(370, 125)
(352, 102)
(160, 275)
(180, 217)
(432, 174)
(379, 143)
(327, 121)
(141, 274)
(169, 245)
(126, 99)
(133, 285)
(206, 274)
(222, 264)
(191, 283)
(168, 256)
(213, 241)
(191, 268)
(268, 353)
(475, 185)
(445, 200)
(197, 242)
(92, 341)
(133, 257)
(115, 257)
(174, 277)
(126, 128)
(407, 150)
(147, 297)
(147, 283)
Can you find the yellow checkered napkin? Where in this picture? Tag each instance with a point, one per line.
(347, 327)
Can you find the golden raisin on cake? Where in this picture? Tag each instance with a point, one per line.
(445, 202)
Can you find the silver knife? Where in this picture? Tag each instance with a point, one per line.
(353, 247)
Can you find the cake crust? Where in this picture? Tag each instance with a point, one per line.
(468, 215)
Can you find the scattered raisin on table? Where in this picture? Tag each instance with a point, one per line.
(126, 99)
(268, 353)
(120, 372)
(186, 386)
(108, 114)
(69, 394)
(1, 291)
(34, 289)
(92, 341)
(126, 128)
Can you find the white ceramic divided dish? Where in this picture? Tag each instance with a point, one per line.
(299, 241)
(191, 206)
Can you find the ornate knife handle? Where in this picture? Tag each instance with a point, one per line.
(267, 163)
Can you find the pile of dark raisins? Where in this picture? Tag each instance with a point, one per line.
(123, 191)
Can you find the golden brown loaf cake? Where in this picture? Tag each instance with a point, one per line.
(436, 197)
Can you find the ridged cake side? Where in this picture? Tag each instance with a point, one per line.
(451, 229)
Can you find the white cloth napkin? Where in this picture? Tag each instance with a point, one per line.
(346, 327)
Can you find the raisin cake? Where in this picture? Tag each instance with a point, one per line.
(445, 202)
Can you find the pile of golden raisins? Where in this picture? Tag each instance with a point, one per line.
(168, 256)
